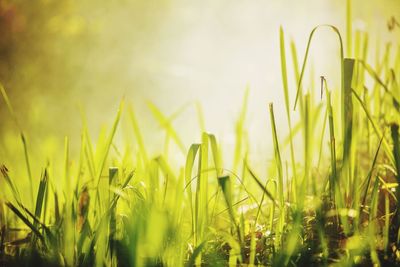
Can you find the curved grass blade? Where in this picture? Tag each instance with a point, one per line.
(335, 30)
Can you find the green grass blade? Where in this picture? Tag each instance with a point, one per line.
(347, 120)
(286, 94)
(26, 221)
(194, 148)
(379, 81)
(347, 108)
(138, 135)
(333, 176)
(240, 131)
(369, 176)
(23, 139)
(14, 189)
(109, 141)
(396, 154)
(225, 184)
(200, 116)
(263, 188)
(196, 253)
(112, 228)
(349, 32)
(166, 123)
(226, 187)
(104, 154)
(278, 160)
(216, 155)
(40, 198)
(27, 163)
(8, 104)
(375, 127)
(335, 30)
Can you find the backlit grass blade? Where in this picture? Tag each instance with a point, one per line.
(27, 162)
(105, 151)
(278, 160)
(14, 189)
(263, 188)
(240, 131)
(349, 32)
(66, 164)
(226, 187)
(333, 175)
(87, 147)
(170, 178)
(202, 187)
(375, 127)
(112, 228)
(335, 30)
(216, 155)
(372, 216)
(138, 135)
(379, 81)
(347, 122)
(368, 179)
(22, 135)
(123, 186)
(200, 116)
(40, 198)
(286, 94)
(26, 221)
(347, 108)
(196, 252)
(322, 139)
(164, 122)
(295, 61)
(307, 147)
(188, 177)
(8, 104)
(109, 141)
(396, 153)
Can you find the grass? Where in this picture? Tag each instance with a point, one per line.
(335, 205)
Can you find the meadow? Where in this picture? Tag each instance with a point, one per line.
(115, 205)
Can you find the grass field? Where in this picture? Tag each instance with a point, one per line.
(115, 205)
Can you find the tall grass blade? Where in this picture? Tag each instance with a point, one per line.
(164, 122)
(286, 94)
(40, 198)
(27, 162)
(278, 160)
(240, 131)
(188, 179)
(23, 218)
(396, 153)
(336, 31)
(138, 135)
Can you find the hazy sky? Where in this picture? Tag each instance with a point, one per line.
(91, 54)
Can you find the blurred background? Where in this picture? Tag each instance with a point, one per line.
(62, 58)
